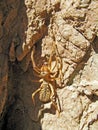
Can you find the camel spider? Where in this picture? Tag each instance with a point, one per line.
(47, 90)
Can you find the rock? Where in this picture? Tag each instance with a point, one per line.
(65, 33)
(3, 82)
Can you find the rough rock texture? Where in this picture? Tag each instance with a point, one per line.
(72, 28)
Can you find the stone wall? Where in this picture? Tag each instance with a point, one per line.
(69, 30)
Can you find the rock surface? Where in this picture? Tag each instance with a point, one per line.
(68, 30)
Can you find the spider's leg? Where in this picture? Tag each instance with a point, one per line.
(41, 112)
(50, 61)
(57, 58)
(59, 62)
(55, 64)
(33, 62)
(53, 51)
(34, 93)
(52, 98)
(58, 71)
(56, 107)
(60, 67)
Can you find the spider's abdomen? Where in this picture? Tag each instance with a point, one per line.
(45, 93)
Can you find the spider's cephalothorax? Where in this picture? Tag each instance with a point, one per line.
(45, 71)
(47, 90)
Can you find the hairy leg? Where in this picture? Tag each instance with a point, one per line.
(33, 62)
(34, 93)
(56, 107)
(52, 98)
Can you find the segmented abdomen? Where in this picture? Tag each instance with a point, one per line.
(45, 93)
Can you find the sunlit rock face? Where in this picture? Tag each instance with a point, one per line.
(65, 33)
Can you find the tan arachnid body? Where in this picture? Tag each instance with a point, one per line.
(47, 90)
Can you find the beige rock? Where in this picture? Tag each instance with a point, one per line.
(65, 29)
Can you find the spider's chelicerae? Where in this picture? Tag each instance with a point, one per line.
(47, 90)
